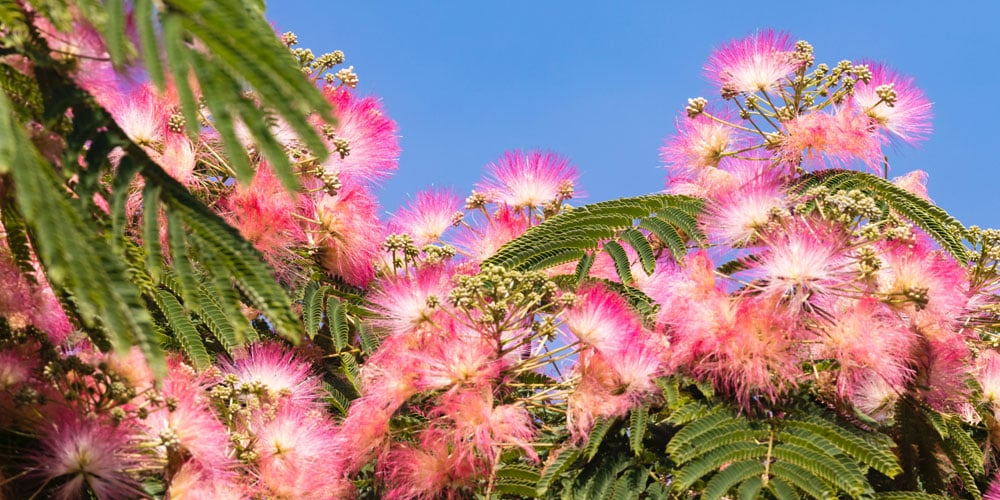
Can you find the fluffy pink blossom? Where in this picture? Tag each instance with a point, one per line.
(435, 467)
(927, 282)
(529, 180)
(601, 319)
(735, 217)
(143, 114)
(474, 418)
(841, 138)
(988, 376)
(611, 384)
(908, 117)
(348, 233)
(296, 456)
(915, 182)
(264, 212)
(483, 239)
(404, 299)
(749, 353)
(372, 144)
(755, 63)
(25, 303)
(284, 377)
(83, 455)
(803, 259)
(699, 143)
(192, 482)
(455, 358)
(187, 429)
(426, 217)
(867, 339)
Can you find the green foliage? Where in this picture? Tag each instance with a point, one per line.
(575, 234)
(717, 452)
(938, 224)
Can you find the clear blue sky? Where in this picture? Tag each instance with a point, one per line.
(602, 82)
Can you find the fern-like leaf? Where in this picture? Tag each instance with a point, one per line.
(554, 468)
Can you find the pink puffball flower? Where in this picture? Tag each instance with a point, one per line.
(283, 376)
(365, 145)
(409, 301)
(293, 447)
(188, 430)
(601, 319)
(348, 233)
(23, 302)
(803, 259)
(875, 397)
(484, 239)
(988, 376)
(192, 482)
(867, 339)
(926, 282)
(522, 180)
(84, 455)
(611, 385)
(474, 418)
(427, 216)
(700, 142)
(736, 217)
(264, 213)
(755, 63)
(457, 358)
(841, 138)
(907, 117)
(144, 115)
(436, 467)
(915, 182)
(751, 353)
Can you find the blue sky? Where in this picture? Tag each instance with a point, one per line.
(603, 82)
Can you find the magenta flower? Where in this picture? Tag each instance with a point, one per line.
(427, 216)
(529, 180)
(895, 103)
(86, 455)
(755, 63)
(364, 144)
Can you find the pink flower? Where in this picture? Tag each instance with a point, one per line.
(907, 117)
(296, 456)
(841, 138)
(372, 146)
(404, 299)
(611, 384)
(348, 233)
(427, 217)
(187, 430)
(483, 240)
(434, 467)
(755, 63)
(915, 182)
(455, 358)
(192, 482)
(988, 376)
(867, 339)
(474, 418)
(264, 212)
(699, 143)
(83, 455)
(803, 259)
(601, 319)
(531, 180)
(282, 376)
(737, 216)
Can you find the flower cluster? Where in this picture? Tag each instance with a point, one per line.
(446, 367)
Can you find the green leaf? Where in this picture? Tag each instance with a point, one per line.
(637, 428)
(620, 258)
(596, 436)
(336, 317)
(554, 469)
(638, 242)
(732, 475)
(184, 330)
(312, 307)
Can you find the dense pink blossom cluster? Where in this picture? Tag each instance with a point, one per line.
(861, 313)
